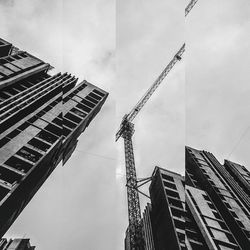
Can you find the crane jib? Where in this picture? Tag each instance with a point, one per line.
(133, 113)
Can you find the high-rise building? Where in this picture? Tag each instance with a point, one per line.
(167, 198)
(171, 219)
(16, 244)
(41, 117)
(206, 210)
(214, 179)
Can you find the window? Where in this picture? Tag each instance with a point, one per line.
(83, 107)
(4, 141)
(72, 117)
(58, 121)
(167, 177)
(172, 193)
(211, 205)
(95, 96)
(17, 57)
(91, 99)
(23, 126)
(13, 134)
(36, 143)
(54, 129)
(69, 124)
(66, 99)
(29, 154)
(78, 112)
(98, 92)
(181, 237)
(196, 246)
(18, 164)
(33, 119)
(9, 59)
(178, 213)
(3, 192)
(216, 215)
(206, 197)
(169, 185)
(88, 103)
(48, 137)
(82, 87)
(175, 203)
(8, 175)
(66, 131)
(179, 224)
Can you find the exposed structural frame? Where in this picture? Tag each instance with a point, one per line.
(126, 130)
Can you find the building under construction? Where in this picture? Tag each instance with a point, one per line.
(208, 209)
(16, 244)
(41, 117)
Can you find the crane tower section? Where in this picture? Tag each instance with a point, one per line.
(134, 212)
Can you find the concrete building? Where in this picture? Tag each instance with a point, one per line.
(173, 225)
(209, 209)
(41, 117)
(214, 230)
(16, 244)
(239, 181)
(213, 178)
(168, 199)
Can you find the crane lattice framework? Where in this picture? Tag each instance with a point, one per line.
(126, 130)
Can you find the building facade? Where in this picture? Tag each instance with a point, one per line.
(216, 181)
(208, 209)
(41, 117)
(173, 224)
(16, 244)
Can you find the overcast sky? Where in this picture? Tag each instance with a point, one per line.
(217, 79)
(122, 47)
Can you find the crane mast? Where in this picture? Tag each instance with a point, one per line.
(126, 131)
(134, 211)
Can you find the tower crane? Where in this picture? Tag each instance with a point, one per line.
(126, 131)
